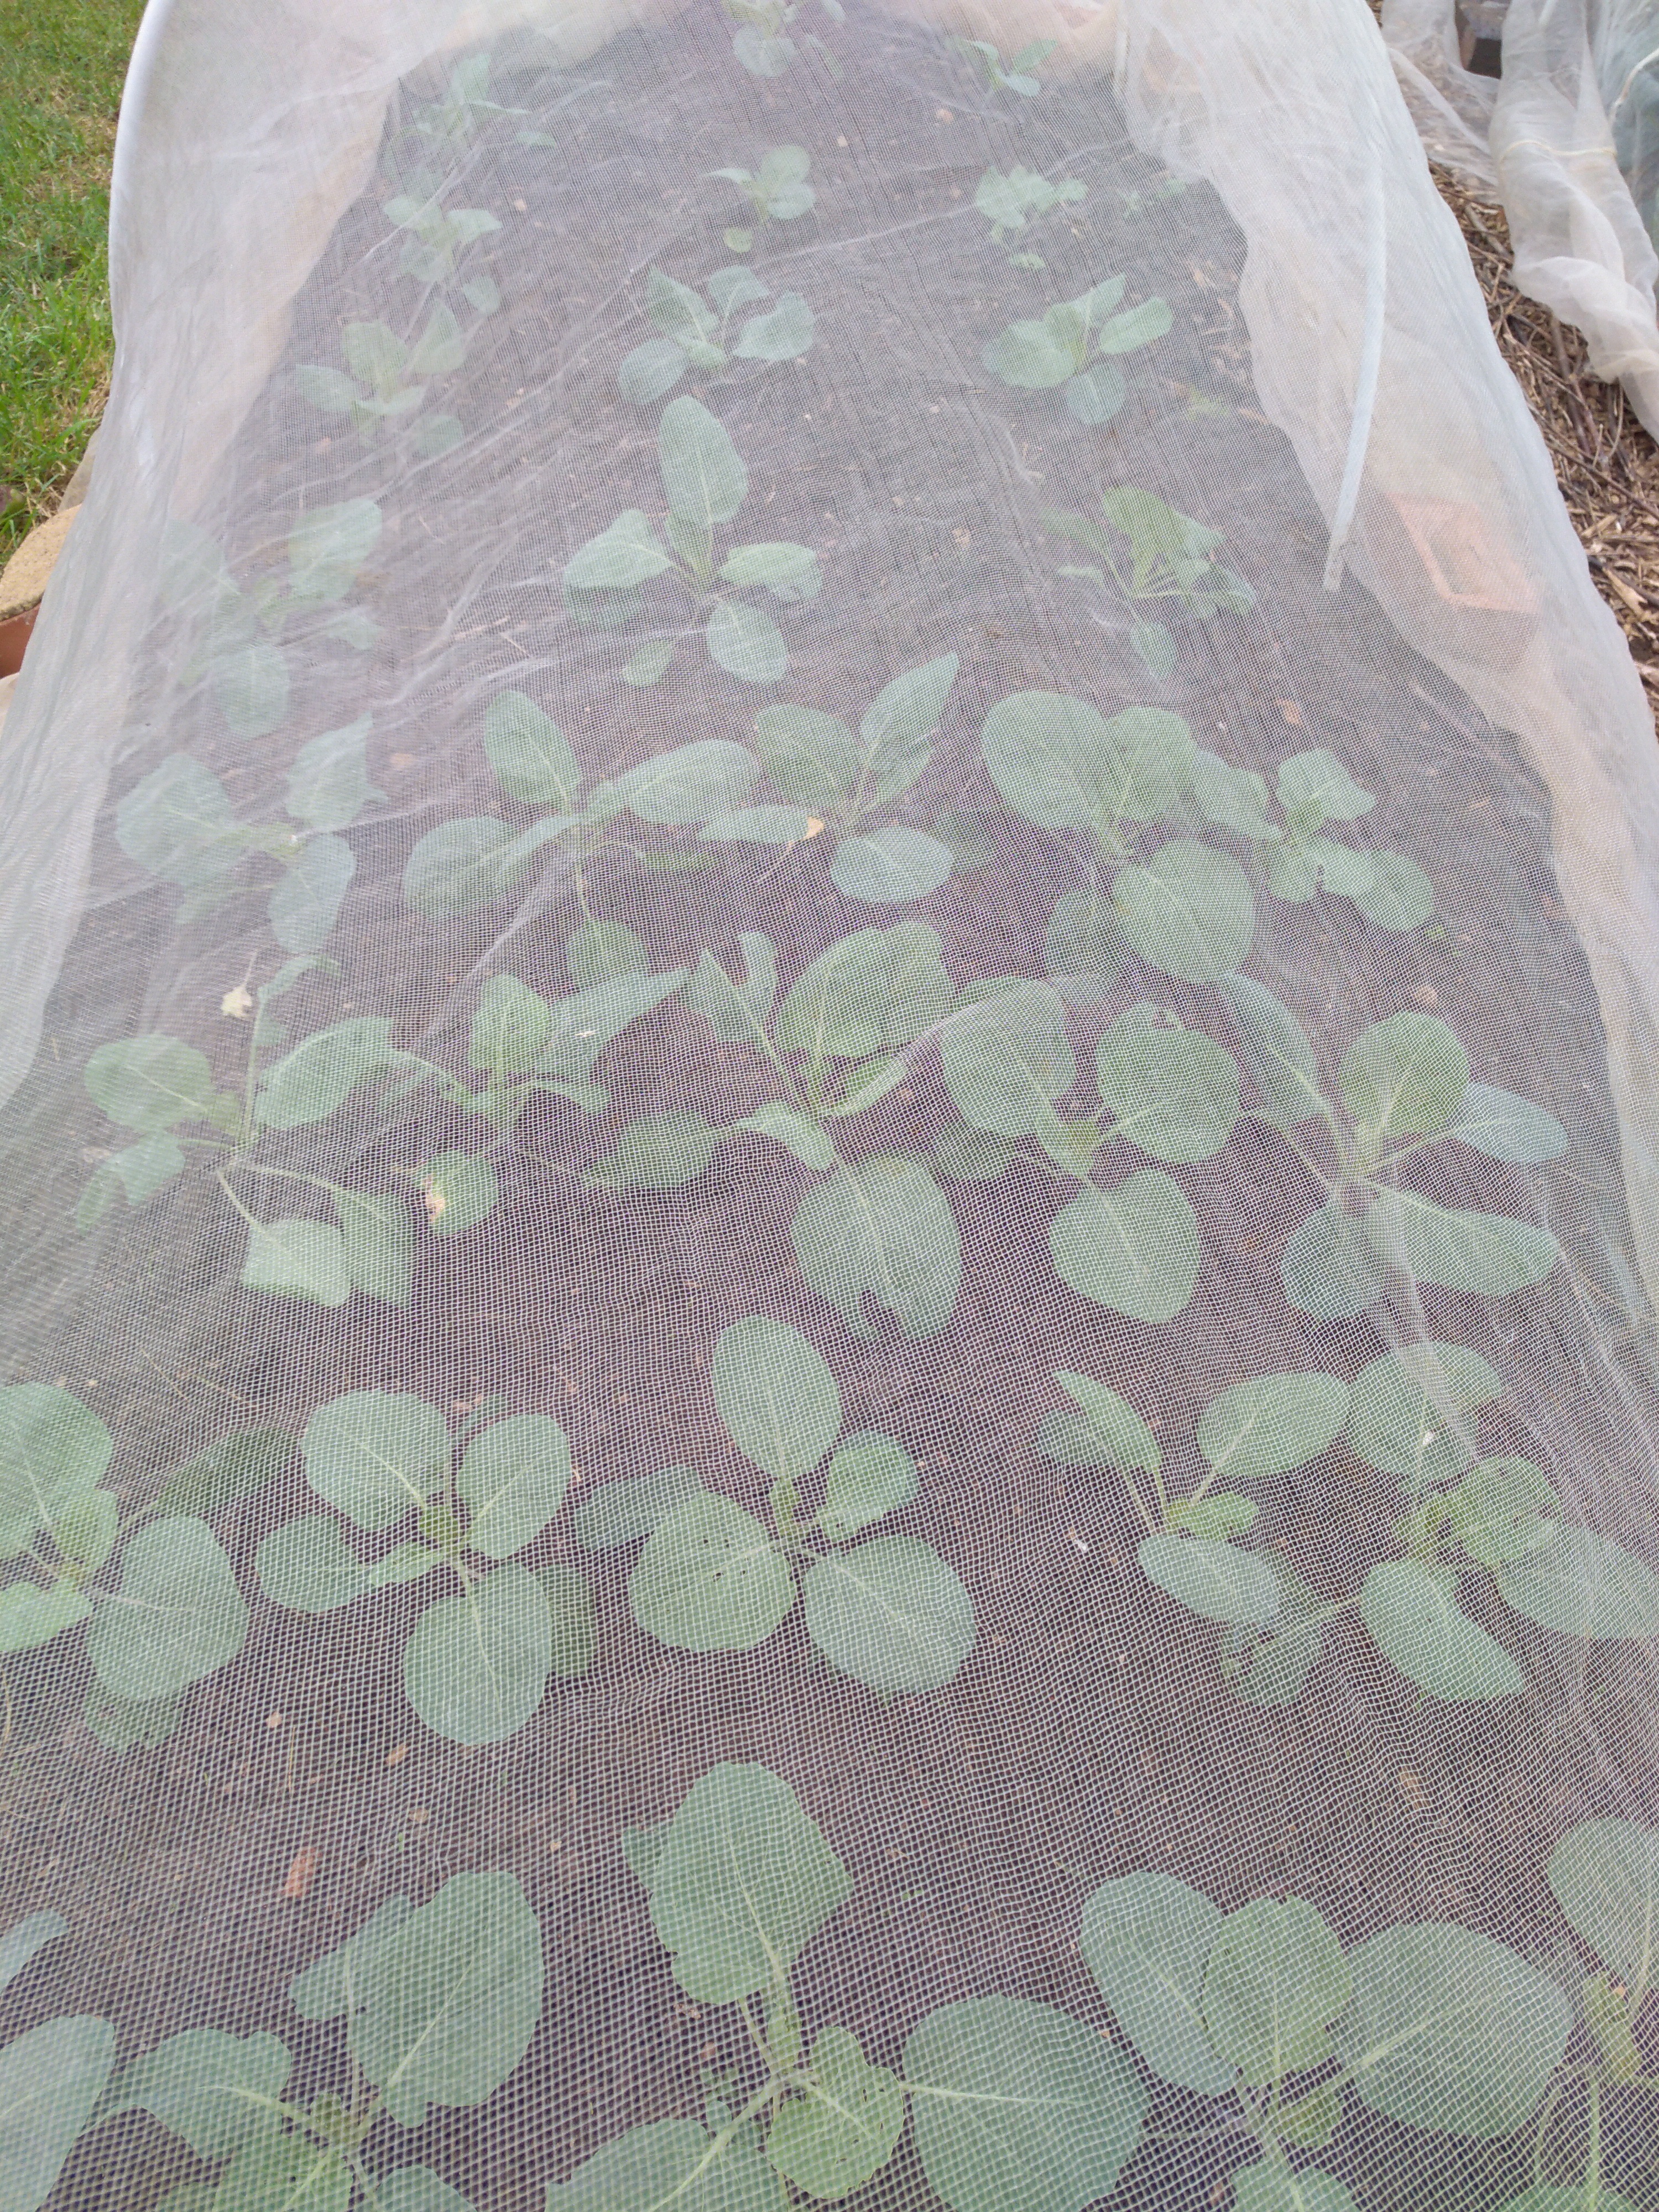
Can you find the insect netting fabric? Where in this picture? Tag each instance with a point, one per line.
(830, 1210)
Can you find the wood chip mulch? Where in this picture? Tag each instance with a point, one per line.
(1606, 463)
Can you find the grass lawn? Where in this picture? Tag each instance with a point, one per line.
(60, 87)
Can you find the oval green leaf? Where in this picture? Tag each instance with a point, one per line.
(891, 1613)
(176, 1616)
(1145, 1938)
(710, 1579)
(476, 1667)
(1214, 1579)
(1188, 910)
(1272, 1424)
(376, 1454)
(776, 1395)
(513, 1476)
(1135, 1248)
(1413, 1615)
(1172, 1092)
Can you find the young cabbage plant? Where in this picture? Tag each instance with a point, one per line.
(1428, 2024)
(436, 243)
(1490, 1529)
(1171, 559)
(776, 193)
(153, 1586)
(760, 42)
(1044, 354)
(1019, 75)
(839, 780)
(1013, 2105)
(467, 862)
(523, 1045)
(245, 670)
(280, 1127)
(440, 2003)
(1184, 907)
(1010, 203)
(478, 1659)
(180, 822)
(877, 1229)
(704, 483)
(696, 336)
(885, 1610)
(384, 383)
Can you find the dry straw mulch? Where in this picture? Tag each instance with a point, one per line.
(1606, 463)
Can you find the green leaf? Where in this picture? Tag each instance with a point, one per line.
(122, 1723)
(619, 1512)
(150, 1083)
(1505, 1127)
(746, 642)
(1405, 1077)
(1502, 1510)
(775, 1393)
(1110, 1432)
(328, 785)
(648, 663)
(1007, 1059)
(868, 1476)
(1234, 798)
(235, 1467)
(1408, 1411)
(650, 371)
(330, 391)
(1215, 1580)
(1412, 1612)
(1030, 356)
(30, 1616)
(53, 1453)
(1276, 1055)
(834, 2138)
(50, 2080)
(1582, 1584)
(812, 758)
(1271, 1424)
(630, 552)
(692, 783)
(1400, 897)
(1018, 2108)
(662, 1151)
(308, 1566)
(375, 355)
(584, 1024)
(737, 1012)
(1188, 910)
(375, 1455)
(459, 1190)
(316, 1078)
(1153, 641)
(570, 1613)
(671, 2166)
(179, 823)
(1330, 1267)
(1083, 947)
(207, 2087)
(514, 1475)
(710, 1579)
(783, 334)
(898, 723)
(762, 825)
(889, 1613)
(510, 1029)
(1096, 395)
(327, 548)
(1145, 1938)
(770, 563)
(86, 1533)
(760, 55)
(1172, 1092)
(305, 903)
(476, 1667)
(1135, 1248)
(736, 238)
(284, 2172)
(453, 1996)
(1270, 2185)
(1605, 1875)
(891, 865)
(1136, 327)
(743, 1882)
(176, 1617)
(869, 993)
(1492, 1254)
(297, 1259)
(1451, 2031)
(24, 1938)
(1316, 783)
(881, 1228)
(804, 1139)
(967, 1156)
(250, 687)
(528, 752)
(339, 1982)
(1218, 1513)
(678, 312)
(734, 287)
(1275, 1979)
(702, 478)
(1060, 764)
(459, 866)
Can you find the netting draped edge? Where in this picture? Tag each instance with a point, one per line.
(216, 228)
